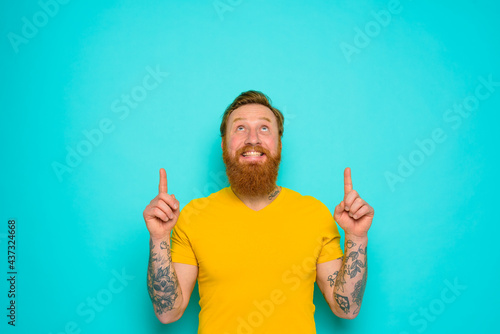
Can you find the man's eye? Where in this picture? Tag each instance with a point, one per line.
(239, 127)
(265, 127)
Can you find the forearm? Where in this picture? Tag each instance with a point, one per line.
(351, 278)
(163, 285)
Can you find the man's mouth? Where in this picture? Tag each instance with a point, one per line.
(252, 154)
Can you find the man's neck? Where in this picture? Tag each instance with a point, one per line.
(260, 202)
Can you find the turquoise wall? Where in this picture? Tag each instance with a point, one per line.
(98, 95)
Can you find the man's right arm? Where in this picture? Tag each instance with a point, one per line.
(169, 284)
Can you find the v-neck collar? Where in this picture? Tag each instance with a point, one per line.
(237, 201)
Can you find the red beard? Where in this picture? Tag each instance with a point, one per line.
(252, 178)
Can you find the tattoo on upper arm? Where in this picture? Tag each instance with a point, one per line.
(162, 280)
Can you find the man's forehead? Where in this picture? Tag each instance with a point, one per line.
(247, 110)
(244, 119)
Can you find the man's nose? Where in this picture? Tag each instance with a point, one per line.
(252, 138)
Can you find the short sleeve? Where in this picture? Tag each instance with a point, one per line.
(330, 249)
(181, 248)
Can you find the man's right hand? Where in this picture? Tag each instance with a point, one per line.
(162, 212)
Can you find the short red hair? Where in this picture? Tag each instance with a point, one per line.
(249, 97)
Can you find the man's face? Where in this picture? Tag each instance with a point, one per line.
(252, 128)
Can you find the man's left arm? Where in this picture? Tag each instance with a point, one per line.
(342, 281)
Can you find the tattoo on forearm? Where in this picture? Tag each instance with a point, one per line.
(340, 280)
(351, 266)
(355, 265)
(343, 302)
(359, 289)
(332, 277)
(162, 281)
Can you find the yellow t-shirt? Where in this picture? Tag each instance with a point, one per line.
(256, 268)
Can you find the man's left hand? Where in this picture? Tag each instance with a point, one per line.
(353, 214)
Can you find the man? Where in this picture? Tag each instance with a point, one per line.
(256, 248)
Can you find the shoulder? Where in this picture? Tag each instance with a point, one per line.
(296, 198)
(196, 211)
(317, 217)
(203, 204)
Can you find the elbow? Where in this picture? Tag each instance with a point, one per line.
(342, 314)
(349, 316)
(168, 319)
(167, 312)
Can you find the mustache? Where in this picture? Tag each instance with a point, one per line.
(252, 149)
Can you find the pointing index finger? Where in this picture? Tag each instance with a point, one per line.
(347, 181)
(162, 188)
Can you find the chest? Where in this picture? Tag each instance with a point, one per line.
(236, 249)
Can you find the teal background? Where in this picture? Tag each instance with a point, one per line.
(366, 112)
